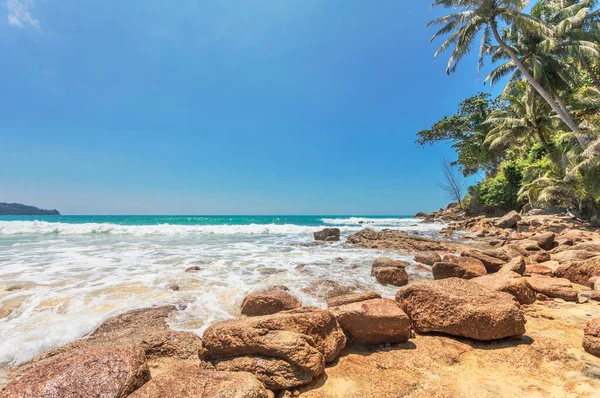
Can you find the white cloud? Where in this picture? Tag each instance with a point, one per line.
(18, 14)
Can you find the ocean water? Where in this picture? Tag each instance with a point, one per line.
(61, 276)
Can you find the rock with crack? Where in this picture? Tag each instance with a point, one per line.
(461, 308)
(283, 350)
(111, 372)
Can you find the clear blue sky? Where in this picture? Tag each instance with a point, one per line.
(223, 106)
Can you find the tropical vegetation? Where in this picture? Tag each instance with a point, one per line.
(538, 142)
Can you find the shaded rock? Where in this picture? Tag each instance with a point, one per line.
(458, 267)
(491, 264)
(461, 308)
(193, 382)
(428, 258)
(529, 245)
(544, 240)
(538, 269)
(591, 337)
(352, 298)
(580, 272)
(511, 283)
(195, 268)
(372, 322)
(328, 234)
(516, 265)
(283, 350)
(509, 220)
(269, 301)
(114, 371)
(553, 287)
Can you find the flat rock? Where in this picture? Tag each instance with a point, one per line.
(108, 372)
(591, 337)
(282, 350)
(352, 298)
(269, 301)
(373, 322)
(509, 282)
(538, 269)
(193, 382)
(553, 287)
(461, 308)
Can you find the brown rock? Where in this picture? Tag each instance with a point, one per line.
(283, 350)
(491, 264)
(352, 298)
(193, 382)
(553, 287)
(590, 247)
(544, 240)
(538, 269)
(427, 258)
(530, 245)
(516, 265)
(509, 220)
(572, 255)
(458, 267)
(373, 322)
(384, 262)
(195, 268)
(269, 301)
(401, 241)
(580, 272)
(114, 371)
(325, 289)
(390, 272)
(509, 282)
(461, 308)
(541, 256)
(328, 234)
(591, 337)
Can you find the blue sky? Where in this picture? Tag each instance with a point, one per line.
(223, 106)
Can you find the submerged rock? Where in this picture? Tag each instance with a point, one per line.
(269, 301)
(283, 350)
(461, 308)
(111, 372)
(328, 234)
(373, 322)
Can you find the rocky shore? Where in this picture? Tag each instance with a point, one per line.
(510, 308)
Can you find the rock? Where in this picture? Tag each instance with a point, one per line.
(195, 268)
(458, 267)
(541, 297)
(193, 382)
(428, 258)
(373, 322)
(529, 245)
(516, 265)
(328, 234)
(114, 371)
(352, 298)
(541, 257)
(384, 262)
(269, 301)
(174, 288)
(491, 264)
(509, 220)
(325, 289)
(283, 350)
(461, 308)
(509, 282)
(597, 285)
(396, 240)
(390, 276)
(580, 272)
(538, 269)
(590, 247)
(591, 337)
(572, 255)
(553, 287)
(544, 240)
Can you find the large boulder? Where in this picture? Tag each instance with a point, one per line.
(591, 337)
(269, 301)
(193, 382)
(461, 308)
(373, 322)
(390, 272)
(492, 264)
(282, 350)
(458, 267)
(428, 258)
(509, 220)
(352, 298)
(108, 372)
(516, 265)
(509, 282)
(580, 272)
(553, 287)
(328, 234)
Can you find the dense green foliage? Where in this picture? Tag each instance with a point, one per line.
(539, 141)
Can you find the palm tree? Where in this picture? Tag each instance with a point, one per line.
(477, 15)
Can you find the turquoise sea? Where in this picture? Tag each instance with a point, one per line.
(61, 276)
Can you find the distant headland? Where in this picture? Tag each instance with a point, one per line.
(17, 209)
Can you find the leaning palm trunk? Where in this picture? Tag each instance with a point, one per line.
(562, 114)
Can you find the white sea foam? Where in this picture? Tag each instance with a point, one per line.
(58, 281)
